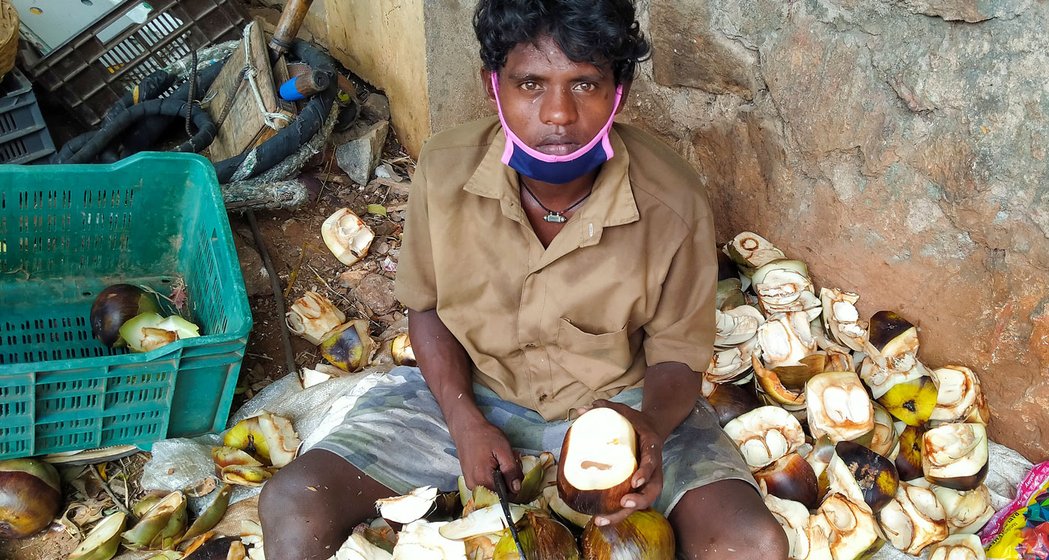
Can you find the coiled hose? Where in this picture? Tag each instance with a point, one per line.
(148, 118)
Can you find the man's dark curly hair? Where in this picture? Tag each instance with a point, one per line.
(595, 31)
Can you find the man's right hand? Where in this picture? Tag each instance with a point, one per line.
(482, 448)
(446, 368)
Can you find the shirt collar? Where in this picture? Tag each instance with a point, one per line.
(611, 204)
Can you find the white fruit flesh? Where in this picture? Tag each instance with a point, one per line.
(838, 406)
(603, 450)
(409, 507)
(765, 434)
(954, 450)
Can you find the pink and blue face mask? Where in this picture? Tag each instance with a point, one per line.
(556, 169)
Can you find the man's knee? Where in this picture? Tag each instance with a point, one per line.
(761, 537)
(287, 488)
(727, 519)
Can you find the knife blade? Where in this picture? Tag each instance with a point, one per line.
(504, 502)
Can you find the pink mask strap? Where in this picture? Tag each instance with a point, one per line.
(513, 139)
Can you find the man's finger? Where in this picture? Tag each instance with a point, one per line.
(510, 467)
(612, 518)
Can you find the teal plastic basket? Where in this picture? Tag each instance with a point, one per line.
(67, 232)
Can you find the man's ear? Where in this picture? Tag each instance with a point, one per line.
(486, 79)
(626, 94)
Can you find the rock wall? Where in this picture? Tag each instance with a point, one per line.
(897, 146)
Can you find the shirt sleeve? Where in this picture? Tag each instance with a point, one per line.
(416, 284)
(682, 329)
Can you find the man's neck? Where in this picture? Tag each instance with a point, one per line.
(559, 196)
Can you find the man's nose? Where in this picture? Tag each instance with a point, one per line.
(558, 108)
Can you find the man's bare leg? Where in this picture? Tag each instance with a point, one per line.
(310, 507)
(726, 519)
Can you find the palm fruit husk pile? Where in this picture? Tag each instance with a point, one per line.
(470, 525)
(162, 524)
(345, 344)
(158, 523)
(255, 448)
(853, 440)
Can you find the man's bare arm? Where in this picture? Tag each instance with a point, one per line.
(446, 368)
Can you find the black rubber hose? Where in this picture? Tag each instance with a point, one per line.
(150, 88)
(152, 127)
(206, 129)
(145, 136)
(292, 137)
(161, 113)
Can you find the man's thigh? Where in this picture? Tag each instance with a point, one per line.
(396, 435)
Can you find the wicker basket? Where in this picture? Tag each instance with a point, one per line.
(8, 36)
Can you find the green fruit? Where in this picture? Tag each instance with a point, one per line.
(644, 535)
(103, 541)
(541, 537)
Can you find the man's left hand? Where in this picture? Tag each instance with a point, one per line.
(647, 481)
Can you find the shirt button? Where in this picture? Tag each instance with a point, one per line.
(543, 397)
(531, 345)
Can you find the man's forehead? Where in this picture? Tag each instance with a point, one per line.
(543, 56)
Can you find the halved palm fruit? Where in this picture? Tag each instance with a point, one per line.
(838, 406)
(909, 459)
(730, 401)
(765, 434)
(794, 518)
(785, 338)
(862, 475)
(912, 401)
(955, 455)
(751, 251)
(894, 338)
(958, 393)
(967, 512)
(853, 529)
(958, 547)
(913, 520)
(790, 478)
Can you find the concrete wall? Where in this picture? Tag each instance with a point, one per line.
(380, 41)
(897, 146)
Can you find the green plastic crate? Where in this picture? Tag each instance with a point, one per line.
(68, 231)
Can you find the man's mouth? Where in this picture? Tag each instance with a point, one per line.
(557, 146)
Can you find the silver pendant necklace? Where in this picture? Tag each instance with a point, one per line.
(553, 216)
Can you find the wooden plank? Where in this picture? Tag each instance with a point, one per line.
(286, 108)
(233, 105)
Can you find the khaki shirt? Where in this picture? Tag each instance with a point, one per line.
(628, 282)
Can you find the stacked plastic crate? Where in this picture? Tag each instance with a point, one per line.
(24, 137)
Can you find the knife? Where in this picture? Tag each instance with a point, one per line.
(504, 502)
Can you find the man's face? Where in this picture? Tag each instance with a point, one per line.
(552, 104)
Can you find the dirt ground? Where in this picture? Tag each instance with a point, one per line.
(303, 262)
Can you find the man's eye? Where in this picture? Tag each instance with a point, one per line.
(529, 86)
(585, 86)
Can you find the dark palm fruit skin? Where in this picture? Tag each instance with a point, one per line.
(28, 503)
(730, 401)
(115, 305)
(876, 475)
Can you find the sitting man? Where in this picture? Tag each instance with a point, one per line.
(551, 260)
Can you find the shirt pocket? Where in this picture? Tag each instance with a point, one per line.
(596, 360)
